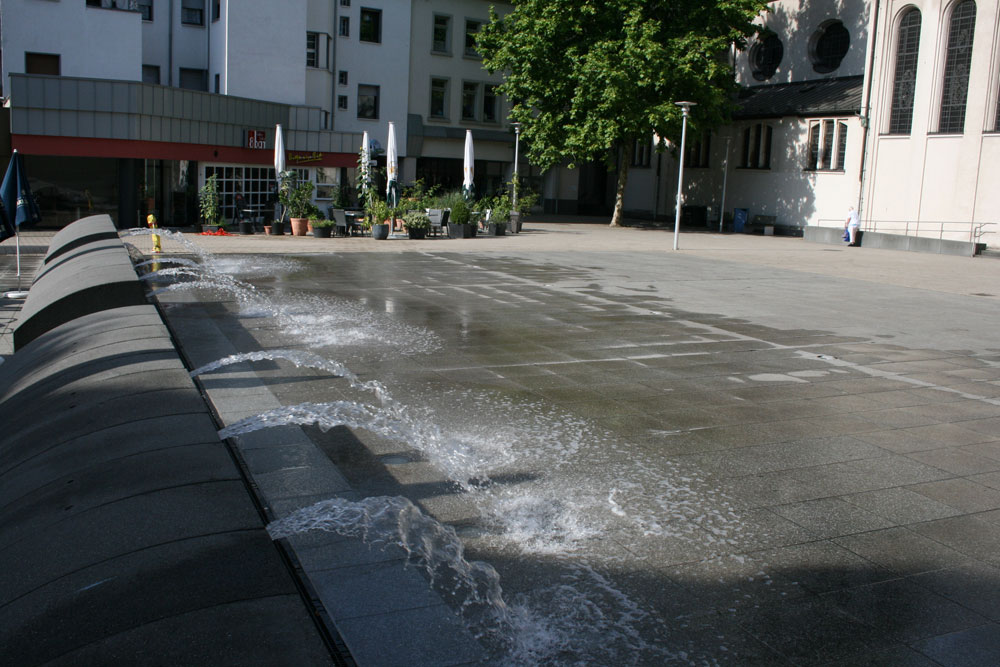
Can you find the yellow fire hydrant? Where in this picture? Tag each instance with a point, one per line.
(151, 223)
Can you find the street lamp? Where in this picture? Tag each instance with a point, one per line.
(517, 140)
(685, 109)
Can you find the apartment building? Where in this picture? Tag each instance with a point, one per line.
(128, 106)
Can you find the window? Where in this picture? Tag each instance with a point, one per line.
(345, 26)
(193, 79)
(193, 12)
(151, 74)
(829, 46)
(342, 102)
(312, 46)
(827, 145)
(367, 101)
(218, 84)
(905, 78)
(956, 68)
(371, 25)
(439, 98)
(216, 9)
(42, 63)
(256, 184)
(146, 9)
(471, 28)
(442, 34)
(345, 3)
(327, 183)
(642, 151)
(765, 56)
(696, 151)
(342, 77)
(757, 147)
(470, 95)
(489, 104)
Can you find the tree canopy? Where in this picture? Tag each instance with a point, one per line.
(586, 77)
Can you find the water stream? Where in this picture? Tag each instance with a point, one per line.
(546, 485)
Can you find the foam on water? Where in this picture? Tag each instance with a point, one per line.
(547, 485)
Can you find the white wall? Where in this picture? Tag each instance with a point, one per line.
(265, 50)
(91, 42)
(384, 64)
(939, 184)
(797, 23)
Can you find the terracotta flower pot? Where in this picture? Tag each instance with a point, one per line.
(300, 226)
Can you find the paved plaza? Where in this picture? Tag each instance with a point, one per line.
(753, 450)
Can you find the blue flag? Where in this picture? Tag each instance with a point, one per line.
(15, 192)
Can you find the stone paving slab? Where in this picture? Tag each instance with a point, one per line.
(854, 433)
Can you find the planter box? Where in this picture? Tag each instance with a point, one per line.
(496, 229)
(416, 234)
(380, 232)
(322, 232)
(246, 228)
(458, 231)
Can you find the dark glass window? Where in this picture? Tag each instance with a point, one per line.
(471, 28)
(345, 26)
(696, 151)
(489, 104)
(442, 34)
(642, 151)
(841, 144)
(342, 77)
(193, 79)
(830, 47)
(470, 93)
(193, 12)
(42, 63)
(757, 147)
(367, 101)
(312, 46)
(371, 25)
(151, 74)
(765, 56)
(905, 78)
(342, 102)
(439, 98)
(146, 9)
(827, 145)
(956, 68)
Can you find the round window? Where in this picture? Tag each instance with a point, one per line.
(765, 56)
(830, 44)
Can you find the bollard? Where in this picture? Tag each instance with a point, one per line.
(151, 223)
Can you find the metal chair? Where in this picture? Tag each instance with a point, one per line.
(340, 222)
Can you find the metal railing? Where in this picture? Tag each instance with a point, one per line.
(936, 229)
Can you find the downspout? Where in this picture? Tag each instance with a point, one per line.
(866, 109)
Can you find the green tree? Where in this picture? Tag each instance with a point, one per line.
(590, 77)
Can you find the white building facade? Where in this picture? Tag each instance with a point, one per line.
(934, 158)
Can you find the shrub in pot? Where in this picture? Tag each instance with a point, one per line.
(417, 224)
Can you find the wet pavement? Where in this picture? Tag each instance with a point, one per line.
(752, 451)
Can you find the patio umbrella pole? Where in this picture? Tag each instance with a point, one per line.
(19, 293)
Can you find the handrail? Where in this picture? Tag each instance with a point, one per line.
(925, 228)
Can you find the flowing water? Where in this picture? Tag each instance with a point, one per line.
(546, 486)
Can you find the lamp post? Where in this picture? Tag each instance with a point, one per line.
(517, 140)
(685, 109)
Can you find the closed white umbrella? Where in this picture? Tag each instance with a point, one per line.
(392, 169)
(279, 161)
(365, 168)
(468, 167)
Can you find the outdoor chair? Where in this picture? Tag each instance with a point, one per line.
(340, 221)
(439, 218)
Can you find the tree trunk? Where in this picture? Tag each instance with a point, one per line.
(616, 216)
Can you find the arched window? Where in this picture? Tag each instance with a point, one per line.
(904, 80)
(956, 67)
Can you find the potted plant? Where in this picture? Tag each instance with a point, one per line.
(417, 224)
(208, 205)
(321, 229)
(379, 212)
(499, 208)
(297, 200)
(460, 225)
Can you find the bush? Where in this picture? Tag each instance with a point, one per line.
(416, 220)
